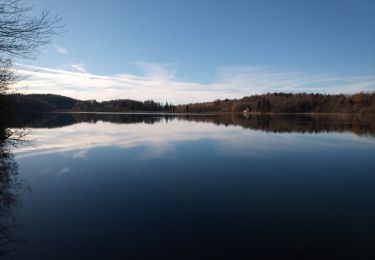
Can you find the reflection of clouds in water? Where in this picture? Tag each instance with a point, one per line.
(255, 144)
(163, 150)
(58, 173)
(63, 171)
(76, 154)
(81, 154)
(159, 139)
(259, 143)
(78, 139)
(45, 171)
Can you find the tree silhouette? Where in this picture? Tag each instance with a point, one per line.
(21, 34)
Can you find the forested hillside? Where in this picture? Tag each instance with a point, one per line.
(38, 103)
(363, 103)
(56, 103)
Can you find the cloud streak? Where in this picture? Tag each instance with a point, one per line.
(159, 82)
(60, 49)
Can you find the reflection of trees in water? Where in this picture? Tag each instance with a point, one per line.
(10, 187)
(278, 123)
(54, 120)
(308, 123)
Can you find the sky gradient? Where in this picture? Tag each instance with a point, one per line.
(188, 51)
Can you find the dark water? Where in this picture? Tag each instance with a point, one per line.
(97, 186)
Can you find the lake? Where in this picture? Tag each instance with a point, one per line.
(149, 186)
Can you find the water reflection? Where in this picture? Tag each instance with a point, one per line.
(197, 187)
(10, 186)
(358, 124)
(76, 134)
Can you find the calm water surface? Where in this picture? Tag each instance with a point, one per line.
(102, 186)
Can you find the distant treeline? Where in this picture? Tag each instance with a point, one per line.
(123, 105)
(360, 103)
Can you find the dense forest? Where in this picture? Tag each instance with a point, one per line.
(55, 103)
(360, 103)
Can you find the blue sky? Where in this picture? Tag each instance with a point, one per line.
(186, 51)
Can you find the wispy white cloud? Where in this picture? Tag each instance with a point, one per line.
(160, 82)
(76, 67)
(60, 49)
(161, 72)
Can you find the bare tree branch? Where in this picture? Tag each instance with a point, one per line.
(21, 34)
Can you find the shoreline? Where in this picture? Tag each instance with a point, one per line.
(205, 113)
